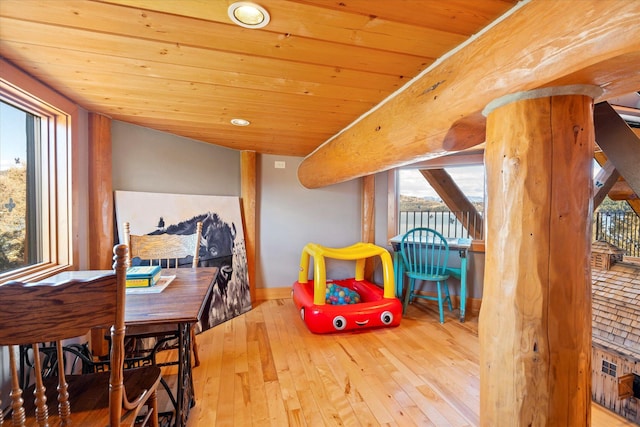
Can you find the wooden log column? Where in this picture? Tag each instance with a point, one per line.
(535, 319)
(368, 220)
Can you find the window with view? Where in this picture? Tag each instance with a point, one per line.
(35, 181)
(20, 179)
(421, 206)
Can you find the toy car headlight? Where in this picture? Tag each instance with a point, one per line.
(339, 322)
(386, 317)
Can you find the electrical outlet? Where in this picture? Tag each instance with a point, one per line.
(279, 164)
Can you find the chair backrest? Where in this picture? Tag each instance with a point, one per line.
(34, 313)
(164, 249)
(424, 251)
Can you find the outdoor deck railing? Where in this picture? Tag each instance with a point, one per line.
(445, 222)
(621, 229)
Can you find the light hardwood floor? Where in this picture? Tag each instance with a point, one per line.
(265, 368)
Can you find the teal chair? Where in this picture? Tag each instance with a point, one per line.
(425, 253)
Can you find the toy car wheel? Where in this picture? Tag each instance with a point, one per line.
(386, 317)
(302, 313)
(339, 322)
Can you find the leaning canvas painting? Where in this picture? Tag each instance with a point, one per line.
(222, 243)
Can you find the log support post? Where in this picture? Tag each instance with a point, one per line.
(368, 219)
(248, 178)
(535, 319)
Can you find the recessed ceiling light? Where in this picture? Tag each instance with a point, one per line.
(240, 122)
(248, 15)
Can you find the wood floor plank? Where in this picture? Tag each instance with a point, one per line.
(264, 368)
(257, 391)
(225, 408)
(375, 375)
(206, 378)
(355, 388)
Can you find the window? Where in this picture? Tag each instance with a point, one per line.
(609, 368)
(35, 184)
(421, 206)
(20, 185)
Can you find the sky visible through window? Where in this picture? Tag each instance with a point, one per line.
(470, 179)
(13, 143)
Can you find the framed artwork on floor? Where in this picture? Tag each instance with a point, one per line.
(222, 244)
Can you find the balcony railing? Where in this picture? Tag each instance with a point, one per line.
(445, 222)
(621, 229)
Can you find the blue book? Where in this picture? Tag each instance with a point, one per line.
(143, 276)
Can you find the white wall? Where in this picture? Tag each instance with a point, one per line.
(288, 215)
(149, 160)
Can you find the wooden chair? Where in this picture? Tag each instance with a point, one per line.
(51, 312)
(425, 254)
(164, 250)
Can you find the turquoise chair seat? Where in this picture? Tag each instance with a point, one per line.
(425, 254)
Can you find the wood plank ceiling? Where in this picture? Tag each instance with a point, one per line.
(182, 67)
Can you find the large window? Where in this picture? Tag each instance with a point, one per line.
(35, 196)
(20, 187)
(421, 206)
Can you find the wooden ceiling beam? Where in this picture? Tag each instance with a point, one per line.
(601, 158)
(604, 182)
(619, 143)
(621, 190)
(537, 45)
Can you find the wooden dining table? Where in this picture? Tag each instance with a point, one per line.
(180, 304)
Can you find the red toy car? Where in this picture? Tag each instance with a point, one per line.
(376, 307)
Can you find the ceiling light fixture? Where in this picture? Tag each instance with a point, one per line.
(248, 15)
(240, 122)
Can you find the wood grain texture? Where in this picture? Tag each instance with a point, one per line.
(435, 113)
(368, 220)
(368, 231)
(182, 67)
(619, 142)
(181, 302)
(41, 313)
(603, 183)
(265, 368)
(100, 193)
(165, 247)
(248, 182)
(622, 191)
(601, 158)
(535, 318)
(36, 305)
(392, 203)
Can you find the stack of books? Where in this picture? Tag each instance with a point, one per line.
(143, 276)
